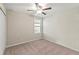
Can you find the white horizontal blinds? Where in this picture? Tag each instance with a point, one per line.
(37, 21)
(37, 29)
(37, 25)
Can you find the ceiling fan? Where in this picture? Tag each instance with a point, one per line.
(40, 8)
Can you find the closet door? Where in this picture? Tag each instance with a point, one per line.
(2, 32)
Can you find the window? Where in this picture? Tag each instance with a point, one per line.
(37, 26)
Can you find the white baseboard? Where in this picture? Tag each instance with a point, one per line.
(20, 43)
(67, 46)
(63, 45)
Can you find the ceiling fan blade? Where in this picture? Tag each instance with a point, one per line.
(37, 5)
(47, 8)
(43, 13)
(30, 10)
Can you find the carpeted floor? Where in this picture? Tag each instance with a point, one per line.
(39, 47)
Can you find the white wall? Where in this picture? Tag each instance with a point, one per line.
(2, 31)
(20, 28)
(63, 27)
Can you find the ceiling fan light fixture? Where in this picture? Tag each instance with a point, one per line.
(39, 11)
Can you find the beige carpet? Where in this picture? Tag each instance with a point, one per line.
(39, 47)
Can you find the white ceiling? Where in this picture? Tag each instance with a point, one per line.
(23, 7)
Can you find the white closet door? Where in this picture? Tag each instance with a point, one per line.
(2, 32)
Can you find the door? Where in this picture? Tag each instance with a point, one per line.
(2, 32)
